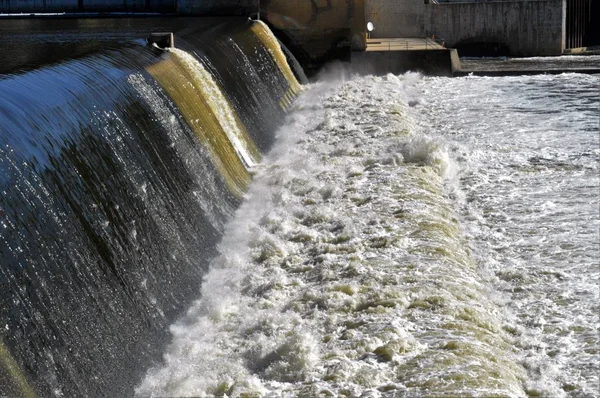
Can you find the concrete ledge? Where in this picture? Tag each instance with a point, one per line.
(162, 39)
(593, 50)
(525, 72)
(437, 62)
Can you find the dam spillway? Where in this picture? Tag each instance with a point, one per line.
(397, 243)
(120, 164)
(169, 230)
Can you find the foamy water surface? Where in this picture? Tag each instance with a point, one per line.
(408, 236)
(529, 151)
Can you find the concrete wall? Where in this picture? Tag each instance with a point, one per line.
(442, 62)
(318, 17)
(317, 31)
(524, 27)
(521, 27)
(396, 18)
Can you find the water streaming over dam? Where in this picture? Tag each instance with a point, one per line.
(403, 239)
(167, 230)
(119, 167)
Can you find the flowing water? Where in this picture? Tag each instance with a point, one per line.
(408, 237)
(529, 153)
(120, 164)
(397, 236)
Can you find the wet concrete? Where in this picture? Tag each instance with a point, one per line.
(589, 64)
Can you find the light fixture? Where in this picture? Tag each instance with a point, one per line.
(370, 28)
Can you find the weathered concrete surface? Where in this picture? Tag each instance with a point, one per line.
(396, 18)
(317, 31)
(318, 16)
(162, 39)
(437, 62)
(402, 44)
(521, 28)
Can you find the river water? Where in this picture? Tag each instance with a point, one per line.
(397, 236)
(529, 151)
(408, 236)
(120, 164)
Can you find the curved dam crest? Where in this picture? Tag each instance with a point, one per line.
(119, 168)
(194, 222)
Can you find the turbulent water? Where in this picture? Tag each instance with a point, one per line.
(120, 164)
(529, 152)
(403, 237)
(408, 236)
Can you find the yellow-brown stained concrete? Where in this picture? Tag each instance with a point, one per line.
(12, 379)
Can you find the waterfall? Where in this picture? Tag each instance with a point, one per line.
(119, 167)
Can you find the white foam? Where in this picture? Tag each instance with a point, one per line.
(529, 167)
(344, 271)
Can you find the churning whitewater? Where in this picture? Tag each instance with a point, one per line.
(346, 271)
(528, 150)
(408, 237)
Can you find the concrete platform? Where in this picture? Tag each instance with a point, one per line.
(400, 55)
(589, 64)
(402, 44)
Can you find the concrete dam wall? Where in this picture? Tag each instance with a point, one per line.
(512, 27)
(316, 32)
(522, 28)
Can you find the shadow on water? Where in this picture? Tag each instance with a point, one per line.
(111, 206)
